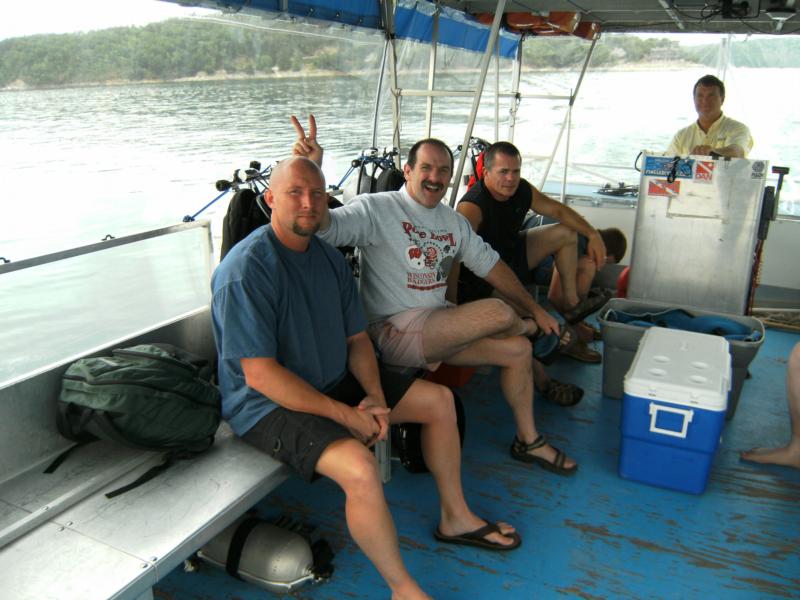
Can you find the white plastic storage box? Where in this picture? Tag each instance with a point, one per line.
(673, 408)
(621, 340)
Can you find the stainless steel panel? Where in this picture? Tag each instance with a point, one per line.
(166, 519)
(41, 496)
(56, 563)
(31, 403)
(696, 249)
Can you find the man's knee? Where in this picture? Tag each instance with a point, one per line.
(518, 352)
(565, 236)
(551, 238)
(442, 405)
(521, 347)
(355, 468)
(498, 313)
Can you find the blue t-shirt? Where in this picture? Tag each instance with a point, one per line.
(272, 302)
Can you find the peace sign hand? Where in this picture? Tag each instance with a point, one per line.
(306, 145)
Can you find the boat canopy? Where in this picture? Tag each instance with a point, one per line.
(544, 17)
(413, 20)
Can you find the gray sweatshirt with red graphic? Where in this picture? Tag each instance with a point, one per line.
(406, 250)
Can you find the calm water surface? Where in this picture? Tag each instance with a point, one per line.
(78, 164)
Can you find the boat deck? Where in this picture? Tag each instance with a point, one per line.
(593, 535)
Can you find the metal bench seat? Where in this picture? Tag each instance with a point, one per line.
(61, 538)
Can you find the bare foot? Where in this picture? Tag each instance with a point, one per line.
(410, 591)
(788, 456)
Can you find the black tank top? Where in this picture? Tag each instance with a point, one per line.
(500, 226)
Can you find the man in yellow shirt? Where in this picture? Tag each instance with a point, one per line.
(713, 131)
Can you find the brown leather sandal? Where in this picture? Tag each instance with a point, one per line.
(520, 451)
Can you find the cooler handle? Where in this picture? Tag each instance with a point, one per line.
(688, 414)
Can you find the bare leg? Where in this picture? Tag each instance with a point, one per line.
(451, 330)
(351, 465)
(540, 376)
(586, 272)
(562, 243)
(583, 282)
(432, 405)
(788, 455)
(512, 354)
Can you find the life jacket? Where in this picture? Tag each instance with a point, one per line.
(477, 170)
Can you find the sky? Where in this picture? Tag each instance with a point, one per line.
(66, 16)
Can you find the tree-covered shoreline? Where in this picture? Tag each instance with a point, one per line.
(191, 49)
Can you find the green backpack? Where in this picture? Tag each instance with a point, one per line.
(151, 397)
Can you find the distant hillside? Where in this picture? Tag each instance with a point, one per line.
(168, 50)
(179, 48)
(780, 52)
(619, 49)
(611, 50)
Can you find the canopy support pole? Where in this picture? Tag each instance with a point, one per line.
(567, 118)
(512, 121)
(476, 100)
(497, 93)
(432, 71)
(378, 93)
(388, 18)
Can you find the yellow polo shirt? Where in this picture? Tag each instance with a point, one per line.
(723, 132)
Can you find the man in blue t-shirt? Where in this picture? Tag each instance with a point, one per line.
(300, 380)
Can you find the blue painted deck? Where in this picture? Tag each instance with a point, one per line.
(591, 536)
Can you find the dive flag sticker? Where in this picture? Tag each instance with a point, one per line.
(704, 170)
(663, 166)
(662, 187)
(758, 170)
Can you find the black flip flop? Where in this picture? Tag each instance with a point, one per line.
(478, 539)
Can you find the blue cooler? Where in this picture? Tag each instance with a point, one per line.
(673, 411)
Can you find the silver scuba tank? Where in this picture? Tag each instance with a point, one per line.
(267, 555)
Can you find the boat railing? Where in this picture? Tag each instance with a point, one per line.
(62, 305)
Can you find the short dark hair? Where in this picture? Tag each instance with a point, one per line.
(506, 148)
(615, 241)
(412, 154)
(710, 81)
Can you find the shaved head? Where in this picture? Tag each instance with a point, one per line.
(298, 201)
(280, 170)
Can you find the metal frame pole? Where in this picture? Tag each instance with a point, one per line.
(563, 195)
(572, 98)
(496, 92)
(388, 17)
(376, 113)
(432, 71)
(498, 13)
(515, 91)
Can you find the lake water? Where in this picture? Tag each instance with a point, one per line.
(79, 164)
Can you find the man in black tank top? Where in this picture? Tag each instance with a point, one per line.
(496, 207)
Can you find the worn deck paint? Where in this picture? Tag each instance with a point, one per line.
(590, 536)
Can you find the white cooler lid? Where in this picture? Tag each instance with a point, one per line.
(681, 367)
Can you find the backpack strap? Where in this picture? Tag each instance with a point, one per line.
(63, 456)
(145, 477)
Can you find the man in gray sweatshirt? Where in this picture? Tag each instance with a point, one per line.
(409, 241)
